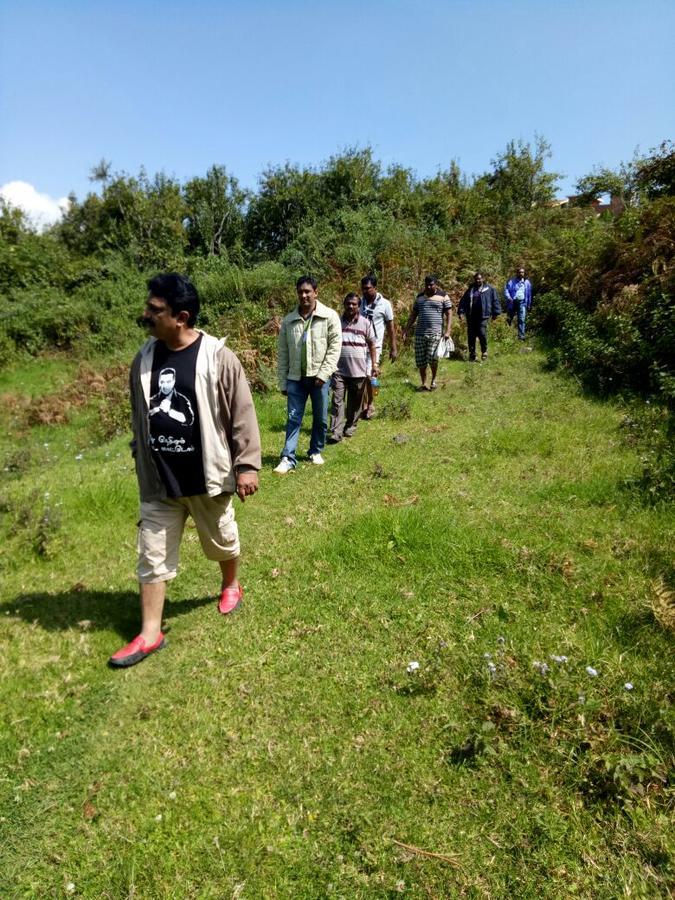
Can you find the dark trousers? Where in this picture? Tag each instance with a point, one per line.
(351, 389)
(477, 329)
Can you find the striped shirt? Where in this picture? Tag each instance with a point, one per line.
(430, 312)
(357, 336)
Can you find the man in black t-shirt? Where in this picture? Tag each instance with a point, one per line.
(196, 443)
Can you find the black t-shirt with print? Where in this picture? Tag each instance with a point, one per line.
(175, 438)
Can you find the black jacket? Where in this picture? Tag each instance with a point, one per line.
(489, 301)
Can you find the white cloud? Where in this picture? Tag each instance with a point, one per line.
(41, 209)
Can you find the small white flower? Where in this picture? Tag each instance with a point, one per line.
(501, 639)
(541, 667)
(78, 457)
(46, 446)
(399, 886)
(172, 795)
(628, 685)
(492, 668)
(70, 888)
(412, 666)
(158, 817)
(47, 495)
(581, 699)
(591, 671)
(487, 656)
(558, 659)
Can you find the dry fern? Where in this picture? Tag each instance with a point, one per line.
(662, 603)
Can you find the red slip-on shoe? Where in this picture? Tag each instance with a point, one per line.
(230, 598)
(135, 651)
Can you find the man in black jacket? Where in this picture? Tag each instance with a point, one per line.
(479, 304)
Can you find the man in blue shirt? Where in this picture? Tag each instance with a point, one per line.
(518, 295)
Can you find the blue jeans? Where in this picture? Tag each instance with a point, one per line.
(521, 312)
(298, 392)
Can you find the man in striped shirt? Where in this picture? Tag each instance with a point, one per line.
(358, 348)
(432, 310)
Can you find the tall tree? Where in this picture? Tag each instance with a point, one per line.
(519, 180)
(215, 212)
(655, 175)
(287, 199)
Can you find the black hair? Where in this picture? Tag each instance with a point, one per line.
(306, 279)
(351, 296)
(166, 371)
(369, 279)
(431, 279)
(179, 294)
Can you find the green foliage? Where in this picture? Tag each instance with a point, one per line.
(224, 285)
(642, 179)
(652, 435)
(612, 315)
(285, 200)
(141, 218)
(97, 315)
(28, 258)
(519, 180)
(215, 212)
(655, 175)
(36, 524)
(602, 181)
(603, 285)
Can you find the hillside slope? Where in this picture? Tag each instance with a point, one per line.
(486, 532)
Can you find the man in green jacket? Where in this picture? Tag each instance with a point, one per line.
(196, 443)
(309, 347)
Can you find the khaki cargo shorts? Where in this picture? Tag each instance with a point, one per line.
(161, 528)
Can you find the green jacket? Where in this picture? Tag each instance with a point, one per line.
(324, 344)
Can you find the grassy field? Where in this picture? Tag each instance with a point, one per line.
(446, 680)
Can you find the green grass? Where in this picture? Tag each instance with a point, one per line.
(283, 752)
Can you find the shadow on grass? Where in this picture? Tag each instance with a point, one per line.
(92, 610)
(270, 460)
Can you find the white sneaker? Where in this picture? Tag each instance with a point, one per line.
(285, 466)
(317, 459)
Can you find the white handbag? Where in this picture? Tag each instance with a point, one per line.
(445, 349)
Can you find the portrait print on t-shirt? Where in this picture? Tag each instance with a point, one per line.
(170, 403)
(173, 419)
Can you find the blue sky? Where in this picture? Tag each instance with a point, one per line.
(176, 86)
